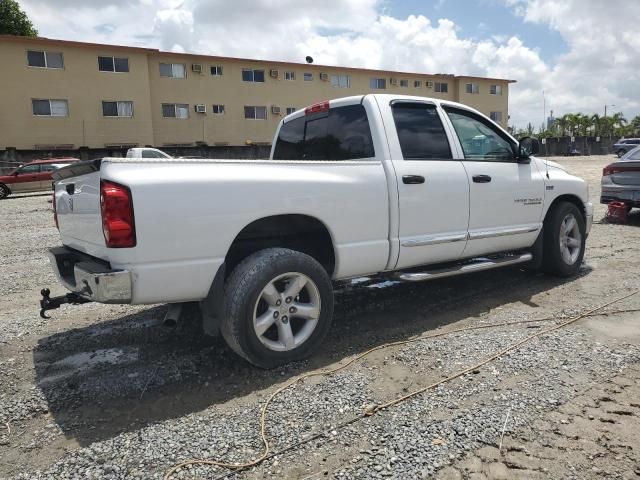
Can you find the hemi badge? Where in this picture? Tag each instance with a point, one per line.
(549, 187)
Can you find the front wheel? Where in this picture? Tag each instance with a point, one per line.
(278, 307)
(620, 153)
(4, 191)
(564, 240)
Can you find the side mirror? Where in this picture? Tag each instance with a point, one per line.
(528, 146)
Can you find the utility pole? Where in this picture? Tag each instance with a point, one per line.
(544, 111)
(605, 109)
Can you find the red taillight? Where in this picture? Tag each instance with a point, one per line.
(611, 169)
(317, 108)
(118, 225)
(55, 212)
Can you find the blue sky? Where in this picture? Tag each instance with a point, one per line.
(482, 19)
(582, 53)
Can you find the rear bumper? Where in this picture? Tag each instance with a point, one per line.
(627, 194)
(90, 277)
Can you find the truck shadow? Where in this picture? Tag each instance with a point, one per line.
(121, 375)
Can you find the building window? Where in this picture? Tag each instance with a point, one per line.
(308, 77)
(496, 116)
(417, 83)
(495, 90)
(255, 113)
(41, 59)
(50, 108)
(340, 81)
(404, 83)
(289, 75)
(252, 75)
(218, 109)
(175, 110)
(472, 88)
(290, 110)
(378, 83)
(173, 70)
(441, 87)
(117, 109)
(216, 70)
(113, 64)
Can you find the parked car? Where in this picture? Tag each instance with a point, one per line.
(146, 152)
(621, 180)
(34, 176)
(625, 145)
(408, 187)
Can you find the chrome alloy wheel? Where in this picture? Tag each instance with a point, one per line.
(287, 312)
(570, 239)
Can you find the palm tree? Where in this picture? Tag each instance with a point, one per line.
(596, 124)
(635, 125)
(561, 124)
(618, 120)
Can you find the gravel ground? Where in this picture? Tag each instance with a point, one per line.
(108, 392)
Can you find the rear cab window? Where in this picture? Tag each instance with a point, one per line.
(341, 133)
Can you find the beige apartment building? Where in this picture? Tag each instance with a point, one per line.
(66, 95)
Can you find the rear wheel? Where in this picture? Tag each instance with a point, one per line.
(278, 307)
(564, 240)
(4, 191)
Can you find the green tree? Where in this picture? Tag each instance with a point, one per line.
(13, 21)
(619, 123)
(635, 125)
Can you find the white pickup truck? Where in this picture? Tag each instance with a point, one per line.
(409, 187)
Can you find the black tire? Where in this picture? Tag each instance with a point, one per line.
(4, 191)
(620, 153)
(242, 292)
(553, 260)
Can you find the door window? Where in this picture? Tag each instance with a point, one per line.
(420, 131)
(29, 169)
(480, 141)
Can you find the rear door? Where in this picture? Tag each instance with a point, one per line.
(433, 188)
(27, 179)
(506, 197)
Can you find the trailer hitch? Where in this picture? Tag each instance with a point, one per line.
(48, 303)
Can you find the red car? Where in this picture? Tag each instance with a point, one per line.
(32, 177)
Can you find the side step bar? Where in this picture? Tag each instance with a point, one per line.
(474, 265)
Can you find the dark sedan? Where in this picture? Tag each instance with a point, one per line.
(625, 145)
(621, 180)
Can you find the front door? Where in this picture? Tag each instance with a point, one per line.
(505, 210)
(26, 179)
(433, 188)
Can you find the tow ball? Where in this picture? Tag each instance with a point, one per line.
(48, 303)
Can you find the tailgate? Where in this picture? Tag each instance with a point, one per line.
(77, 197)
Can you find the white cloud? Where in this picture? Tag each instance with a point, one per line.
(598, 68)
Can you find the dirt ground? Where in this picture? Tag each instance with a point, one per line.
(94, 376)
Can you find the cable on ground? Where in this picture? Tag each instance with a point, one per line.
(373, 409)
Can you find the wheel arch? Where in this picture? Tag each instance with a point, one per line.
(300, 232)
(571, 198)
